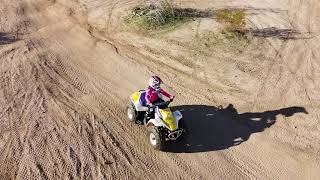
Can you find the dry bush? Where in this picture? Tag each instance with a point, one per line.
(234, 22)
(155, 14)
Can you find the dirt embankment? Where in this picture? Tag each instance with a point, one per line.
(67, 68)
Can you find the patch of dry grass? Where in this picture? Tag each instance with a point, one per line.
(233, 20)
(155, 17)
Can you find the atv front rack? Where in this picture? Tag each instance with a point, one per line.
(175, 135)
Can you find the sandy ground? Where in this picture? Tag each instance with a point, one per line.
(68, 67)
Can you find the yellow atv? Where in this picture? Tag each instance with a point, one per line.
(164, 126)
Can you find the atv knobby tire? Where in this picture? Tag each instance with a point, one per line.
(131, 113)
(156, 139)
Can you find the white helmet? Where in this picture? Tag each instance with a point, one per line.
(155, 82)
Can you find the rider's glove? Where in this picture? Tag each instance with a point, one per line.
(171, 98)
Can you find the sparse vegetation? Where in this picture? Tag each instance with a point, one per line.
(156, 16)
(232, 34)
(233, 21)
(211, 42)
(163, 16)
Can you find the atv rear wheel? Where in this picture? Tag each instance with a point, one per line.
(156, 139)
(131, 113)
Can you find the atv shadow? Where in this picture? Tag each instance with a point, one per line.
(210, 128)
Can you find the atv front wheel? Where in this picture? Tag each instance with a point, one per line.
(156, 139)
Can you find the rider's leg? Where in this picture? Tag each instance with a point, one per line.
(150, 113)
(148, 116)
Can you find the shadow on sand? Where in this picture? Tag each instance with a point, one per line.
(210, 13)
(210, 128)
(283, 34)
(6, 38)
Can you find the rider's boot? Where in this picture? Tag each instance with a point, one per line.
(146, 118)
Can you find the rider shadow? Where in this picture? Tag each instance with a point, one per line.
(210, 128)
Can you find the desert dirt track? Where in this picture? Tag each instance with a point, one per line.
(68, 67)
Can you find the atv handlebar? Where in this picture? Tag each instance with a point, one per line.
(165, 103)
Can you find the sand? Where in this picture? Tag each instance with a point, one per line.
(67, 69)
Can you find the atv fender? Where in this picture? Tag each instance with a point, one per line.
(134, 98)
(177, 115)
(155, 122)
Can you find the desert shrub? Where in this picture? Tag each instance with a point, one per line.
(233, 20)
(153, 15)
